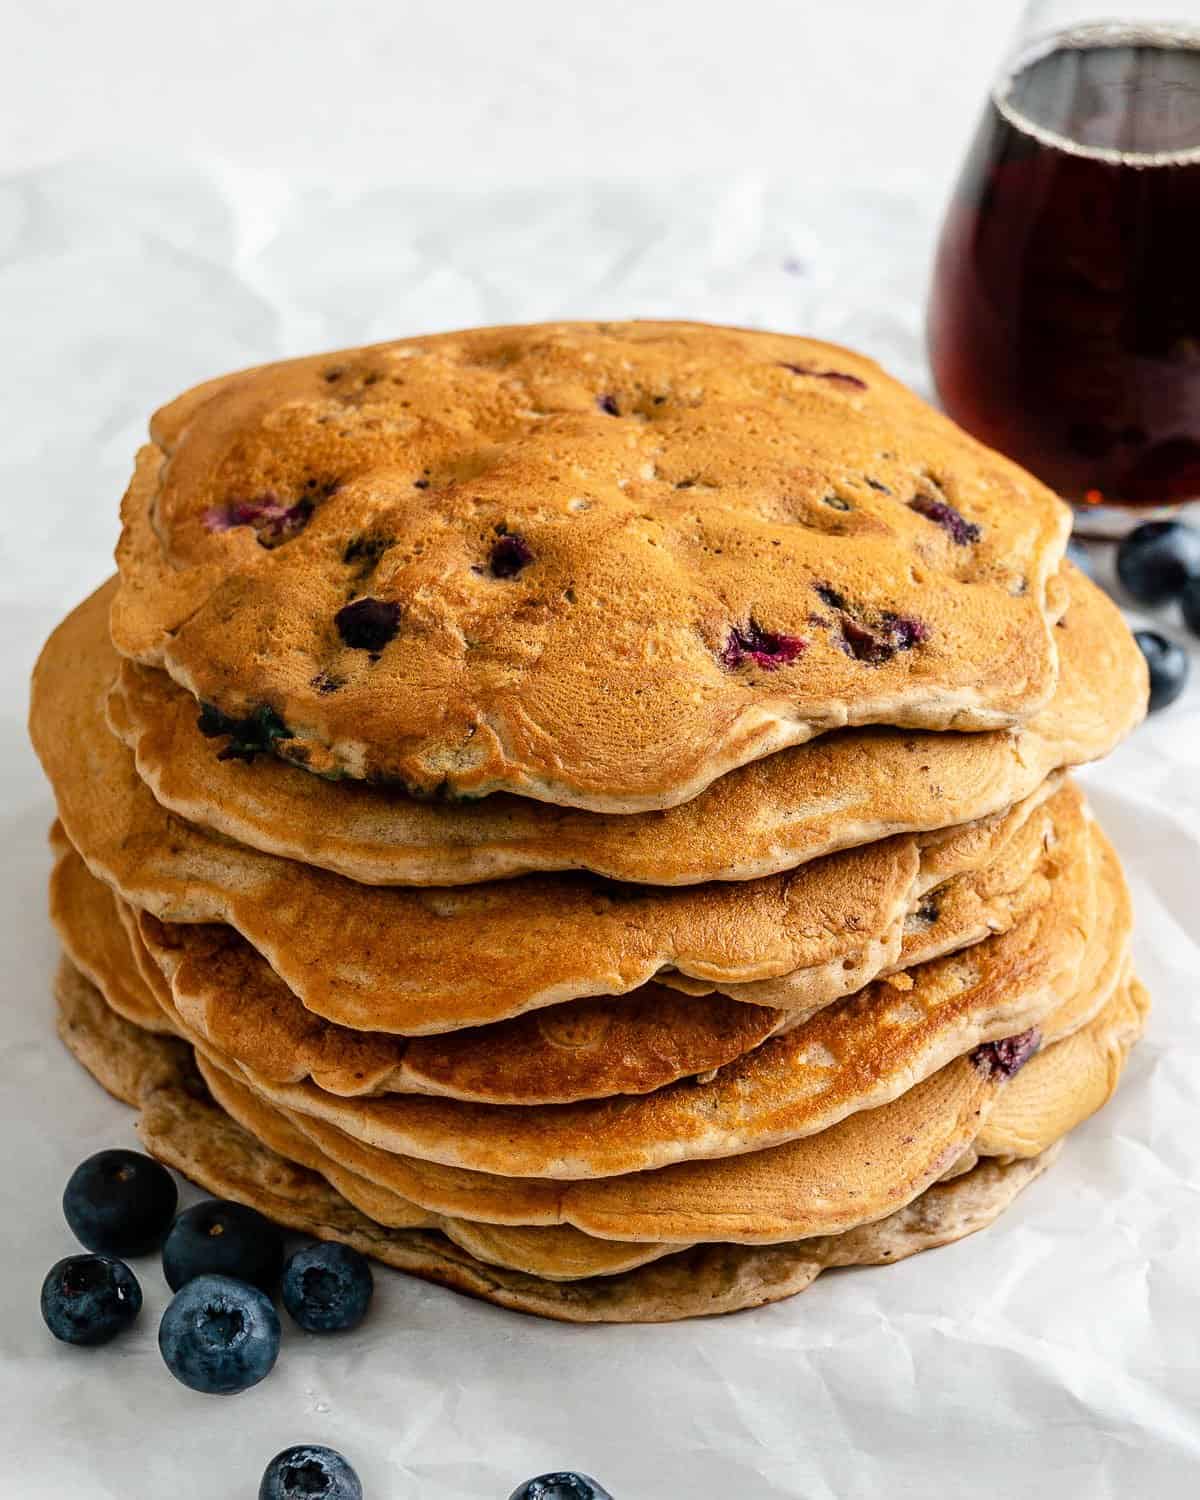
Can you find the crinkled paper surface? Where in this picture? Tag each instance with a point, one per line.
(1056, 1354)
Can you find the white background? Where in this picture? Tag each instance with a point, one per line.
(188, 189)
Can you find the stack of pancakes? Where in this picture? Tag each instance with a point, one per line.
(582, 814)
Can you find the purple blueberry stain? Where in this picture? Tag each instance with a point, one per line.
(956, 526)
(905, 631)
(510, 553)
(1005, 1059)
(368, 624)
(766, 648)
(272, 521)
(839, 377)
(872, 641)
(608, 405)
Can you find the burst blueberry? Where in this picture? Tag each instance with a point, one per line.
(223, 1239)
(1169, 666)
(563, 1486)
(89, 1299)
(120, 1202)
(1006, 1057)
(766, 648)
(956, 526)
(1158, 560)
(219, 1336)
(249, 736)
(309, 1471)
(327, 1287)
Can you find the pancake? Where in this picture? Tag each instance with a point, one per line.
(589, 1049)
(180, 1125)
(426, 961)
(845, 789)
(862, 1169)
(1066, 1084)
(853, 1055)
(85, 915)
(596, 564)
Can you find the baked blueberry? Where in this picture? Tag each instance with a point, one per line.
(368, 624)
(956, 526)
(1006, 1057)
(89, 1299)
(562, 1486)
(1169, 666)
(215, 1238)
(219, 1336)
(1157, 560)
(309, 1472)
(327, 1287)
(1189, 603)
(120, 1202)
(510, 553)
(766, 648)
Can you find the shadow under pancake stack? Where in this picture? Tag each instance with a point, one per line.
(583, 813)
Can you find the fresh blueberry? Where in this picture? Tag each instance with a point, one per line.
(1169, 667)
(327, 1287)
(215, 1238)
(1189, 602)
(1080, 554)
(89, 1299)
(1156, 560)
(309, 1472)
(120, 1202)
(219, 1336)
(560, 1487)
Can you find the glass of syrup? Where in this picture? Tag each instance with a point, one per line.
(1064, 319)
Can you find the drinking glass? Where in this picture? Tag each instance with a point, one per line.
(1064, 318)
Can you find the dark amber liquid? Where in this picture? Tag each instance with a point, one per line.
(1064, 321)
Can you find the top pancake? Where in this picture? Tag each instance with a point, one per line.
(595, 564)
(841, 790)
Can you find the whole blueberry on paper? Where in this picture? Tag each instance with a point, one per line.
(309, 1472)
(327, 1288)
(562, 1486)
(120, 1202)
(1156, 561)
(89, 1299)
(1169, 666)
(1189, 603)
(219, 1336)
(223, 1239)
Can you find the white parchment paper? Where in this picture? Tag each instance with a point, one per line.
(1056, 1354)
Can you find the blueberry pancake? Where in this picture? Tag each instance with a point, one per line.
(184, 1127)
(598, 565)
(431, 960)
(836, 792)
